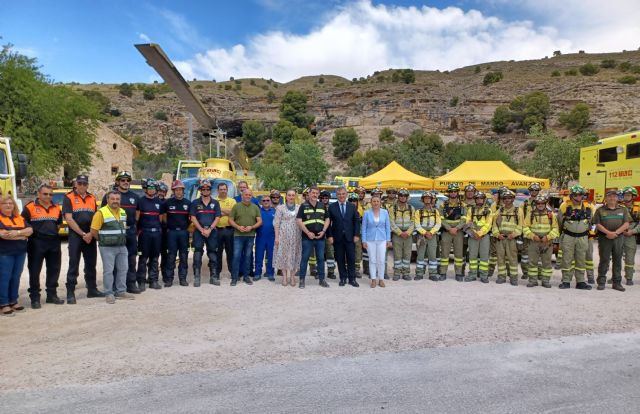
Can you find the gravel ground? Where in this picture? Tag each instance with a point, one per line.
(181, 330)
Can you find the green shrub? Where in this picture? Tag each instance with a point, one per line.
(577, 119)
(198, 87)
(345, 143)
(454, 101)
(386, 136)
(271, 96)
(624, 66)
(555, 73)
(161, 116)
(608, 64)
(501, 119)
(477, 69)
(125, 89)
(227, 87)
(149, 93)
(571, 72)
(321, 80)
(589, 69)
(492, 77)
(252, 82)
(628, 80)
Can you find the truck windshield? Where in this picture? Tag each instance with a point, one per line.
(3, 162)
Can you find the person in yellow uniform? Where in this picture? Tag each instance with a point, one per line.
(427, 223)
(523, 248)
(453, 215)
(224, 229)
(493, 254)
(574, 220)
(479, 221)
(507, 226)
(401, 218)
(540, 228)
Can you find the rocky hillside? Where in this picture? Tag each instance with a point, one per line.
(454, 104)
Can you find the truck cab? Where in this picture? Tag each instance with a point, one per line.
(8, 173)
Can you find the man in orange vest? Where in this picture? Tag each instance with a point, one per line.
(45, 218)
(78, 207)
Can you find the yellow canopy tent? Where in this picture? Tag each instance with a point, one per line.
(395, 175)
(486, 175)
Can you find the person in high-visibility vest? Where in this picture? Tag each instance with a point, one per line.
(479, 222)
(507, 226)
(453, 216)
(540, 227)
(401, 218)
(427, 223)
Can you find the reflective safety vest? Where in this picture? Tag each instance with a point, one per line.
(313, 217)
(13, 222)
(113, 231)
(508, 221)
(480, 219)
(576, 221)
(453, 214)
(541, 224)
(401, 220)
(427, 221)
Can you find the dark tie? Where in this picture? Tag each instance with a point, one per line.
(342, 209)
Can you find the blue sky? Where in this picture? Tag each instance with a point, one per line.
(92, 41)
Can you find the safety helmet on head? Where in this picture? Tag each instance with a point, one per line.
(534, 187)
(542, 198)
(163, 187)
(123, 175)
(470, 187)
(353, 197)
(630, 190)
(274, 193)
(149, 184)
(376, 191)
(177, 184)
(360, 189)
(453, 187)
(305, 191)
(403, 192)
(507, 194)
(205, 182)
(392, 190)
(325, 193)
(479, 194)
(577, 190)
(427, 194)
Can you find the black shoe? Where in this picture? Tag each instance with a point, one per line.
(564, 285)
(323, 283)
(215, 281)
(142, 285)
(94, 293)
(331, 275)
(600, 287)
(583, 286)
(591, 280)
(247, 280)
(354, 283)
(484, 279)
(514, 282)
(434, 278)
(155, 285)
(342, 282)
(132, 288)
(35, 304)
(459, 278)
(546, 284)
(71, 298)
(618, 287)
(168, 284)
(524, 276)
(629, 282)
(301, 284)
(54, 299)
(418, 277)
(442, 277)
(256, 278)
(234, 282)
(501, 280)
(183, 282)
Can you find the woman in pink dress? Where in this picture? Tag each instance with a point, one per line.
(288, 243)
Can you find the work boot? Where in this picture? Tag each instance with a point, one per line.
(155, 285)
(168, 284)
(583, 286)
(442, 277)
(500, 280)
(470, 278)
(532, 283)
(564, 285)
(71, 297)
(396, 277)
(132, 288)
(629, 282)
(142, 285)
(610, 281)
(514, 281)
(331, 274)
(546, 284)
(323, 283)
(591, 280)
(301, 284)
(406, 277)
(459, 278)
(247, 280)
(234, 282)
(257, 277)
(484, 279)
(600, 286)
(434, 278)
(524, 276)
(215, 280)
(94, 293)
(53, 298)
(183, 282)
(618, 287)
(418, 277)
(35, 303)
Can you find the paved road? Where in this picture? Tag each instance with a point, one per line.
(595, 374)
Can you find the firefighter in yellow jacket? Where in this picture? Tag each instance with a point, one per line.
(479, 221)
(453, 214)
(427, 223)
(540, 228)
(507, 226)
(574, 221)
(401, 218)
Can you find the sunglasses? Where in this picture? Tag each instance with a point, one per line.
(275, 197)
(266, 201)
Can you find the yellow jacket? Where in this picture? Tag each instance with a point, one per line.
(541, 224)
(480, 219)
(427, 221)
(508, 221)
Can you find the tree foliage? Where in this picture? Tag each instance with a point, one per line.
(273, 154)
(525, 111)
(455, 154)
(577, 119)
(125, 89)
(386, 136)
(419, 152)
(153, 165)
(52, 124)
(589, 69)
(555, 158)
(501, 119)
(305, 163)
(283, 132)
(364, 163)
(253, 136)
(293, 108)
(275, 176)
(492, 77)
(345, 143)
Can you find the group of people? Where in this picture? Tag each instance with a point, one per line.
(141, 239)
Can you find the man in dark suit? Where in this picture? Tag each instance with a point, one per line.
(343, 234)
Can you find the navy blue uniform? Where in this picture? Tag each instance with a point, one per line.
(177, 237)
(206, 215)
(82, 211)
(150, 237)
(129, 203)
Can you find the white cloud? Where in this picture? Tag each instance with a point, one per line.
(361, 38)
(144, 37)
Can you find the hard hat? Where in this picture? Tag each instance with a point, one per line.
(426, 194)
(325, 193)
(403, 192)
(630, 190)
(535, 187)
(470, 187)
(177, 184)
(205, 182)
(453, 187)
(377, 191)
(479, 194)
(162, 187)
(507, 194)
(542, 198)
(577, 190)
(360, 189)
(392, 190)
(149, 184)
(123, 174)
(353, 197)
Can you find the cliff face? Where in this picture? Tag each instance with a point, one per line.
(429, 103)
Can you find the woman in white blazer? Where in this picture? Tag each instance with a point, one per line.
(376, 238)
